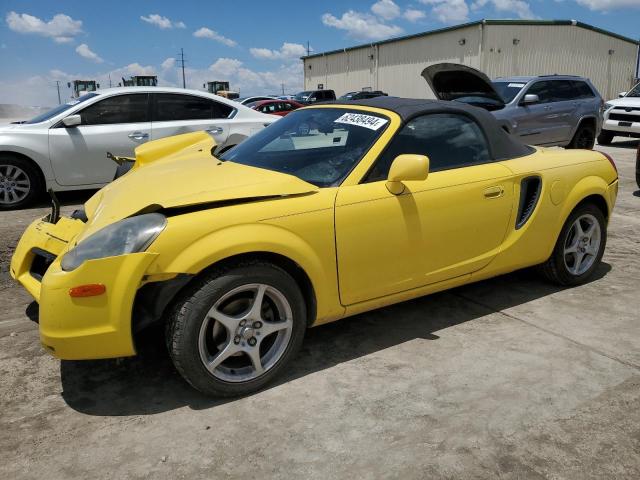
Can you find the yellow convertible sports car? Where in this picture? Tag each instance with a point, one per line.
(334, 210)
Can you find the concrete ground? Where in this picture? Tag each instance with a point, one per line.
(508, 378)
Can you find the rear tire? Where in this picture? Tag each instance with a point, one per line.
(579, 248)
(224, 342)
(20, 182)
(584, 138)
(605, 137)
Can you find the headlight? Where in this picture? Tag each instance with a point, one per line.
(607, 106)
(130, 235)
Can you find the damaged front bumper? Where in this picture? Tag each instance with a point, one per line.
(78, 328)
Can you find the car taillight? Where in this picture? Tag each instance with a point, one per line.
(613, 164)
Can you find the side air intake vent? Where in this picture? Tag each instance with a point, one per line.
(529, 195)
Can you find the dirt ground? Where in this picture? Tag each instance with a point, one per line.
(508, 378)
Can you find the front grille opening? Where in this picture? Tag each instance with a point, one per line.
(42, 260)
(529, 195)
(624, 117)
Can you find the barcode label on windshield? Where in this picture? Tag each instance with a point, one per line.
(361, 120)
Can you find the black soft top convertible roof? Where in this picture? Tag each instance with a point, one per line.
(502, 144)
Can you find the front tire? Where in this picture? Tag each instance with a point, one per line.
(605, 137)
(585, 137)
(235, 330)
(20, 183)
(579, 248)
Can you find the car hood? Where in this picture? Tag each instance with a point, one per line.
(178, 172)
(452, 81)
(10, 128)
(625, 102)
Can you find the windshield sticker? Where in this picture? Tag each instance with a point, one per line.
(516, 85)
(361, 120)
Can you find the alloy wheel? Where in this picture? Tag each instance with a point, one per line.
(14, 184)
(582, 244)
(245, 333)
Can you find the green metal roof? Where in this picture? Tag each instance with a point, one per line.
(480, 22)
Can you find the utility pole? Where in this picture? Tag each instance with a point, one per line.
(109, 80)
(184, 83)
(282, 85)
(58, 87)
(308, 49)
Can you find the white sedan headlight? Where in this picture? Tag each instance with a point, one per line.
(130, 235)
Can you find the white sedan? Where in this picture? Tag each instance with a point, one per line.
(65, 148)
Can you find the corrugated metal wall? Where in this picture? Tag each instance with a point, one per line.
(400, 63)
(395, 67)
(392, 67)
(563, 49)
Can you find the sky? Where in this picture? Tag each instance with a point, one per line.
(256, 45)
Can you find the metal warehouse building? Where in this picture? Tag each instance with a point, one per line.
(497, 47)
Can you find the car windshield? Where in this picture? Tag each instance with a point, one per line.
(348, 96)
(61, 108)
(508, 90)
(320, 146)
(634, 92)
(302, 96)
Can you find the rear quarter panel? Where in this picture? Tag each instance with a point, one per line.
(568, 177)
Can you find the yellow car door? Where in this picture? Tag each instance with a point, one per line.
(448, 225)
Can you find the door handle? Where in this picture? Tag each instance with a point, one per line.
(138, 135)
(494, 192)
(214, 130)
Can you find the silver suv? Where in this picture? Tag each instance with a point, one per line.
(546, 110)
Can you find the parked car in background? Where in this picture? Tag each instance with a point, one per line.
(362, 95)
(330, 212)
(543, 110)
(276, 107)
(66, 147)
(255, 98)
(621, 117)
(285, 97)
(312, 96)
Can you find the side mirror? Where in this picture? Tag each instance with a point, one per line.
(404, 168)
(622, 94)
(530, 98)
(72, 121)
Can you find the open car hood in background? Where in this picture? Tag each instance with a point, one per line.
(452, 81)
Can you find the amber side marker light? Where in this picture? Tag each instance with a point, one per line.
(90, 290)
